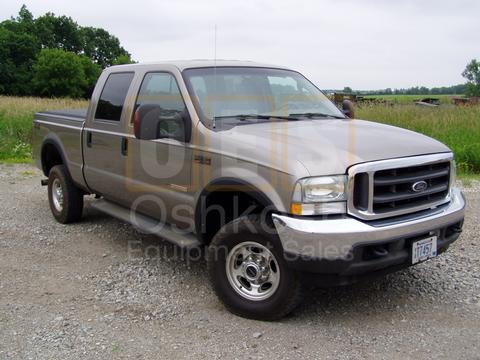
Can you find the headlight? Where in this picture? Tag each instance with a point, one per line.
(320, 195)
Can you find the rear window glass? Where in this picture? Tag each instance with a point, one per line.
(113, 96)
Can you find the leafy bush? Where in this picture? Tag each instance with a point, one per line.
(59, 73)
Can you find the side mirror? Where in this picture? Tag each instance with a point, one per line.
(148, 124)
(348, 109)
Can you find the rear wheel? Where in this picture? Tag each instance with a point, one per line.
(66, 200)
(249, 273)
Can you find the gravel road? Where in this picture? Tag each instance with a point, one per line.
(99, 289)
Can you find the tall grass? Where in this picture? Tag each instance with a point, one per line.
(16, 116)
(458, 127)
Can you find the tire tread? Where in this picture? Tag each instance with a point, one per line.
(72, 196)
(293, 297)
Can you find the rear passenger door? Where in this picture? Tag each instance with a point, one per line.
(104, 139)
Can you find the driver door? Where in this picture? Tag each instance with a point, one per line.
(159, 169)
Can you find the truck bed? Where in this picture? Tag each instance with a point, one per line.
(62, 129)
(78, 114)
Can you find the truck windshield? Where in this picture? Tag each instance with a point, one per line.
(252, 94)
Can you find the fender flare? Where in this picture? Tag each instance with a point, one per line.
(57, 145)
(226, 183)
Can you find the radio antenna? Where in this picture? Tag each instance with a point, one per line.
(214, 123)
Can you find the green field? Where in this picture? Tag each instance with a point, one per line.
(458, 127)
(16, 116)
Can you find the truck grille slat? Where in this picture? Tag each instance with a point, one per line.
(386, 180)
(401, 186)
(394, 196)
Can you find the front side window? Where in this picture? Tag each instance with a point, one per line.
(159, 94)
(110, 104)
(246, 92)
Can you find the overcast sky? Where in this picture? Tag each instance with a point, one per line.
(364, 44)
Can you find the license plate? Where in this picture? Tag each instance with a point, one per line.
(424, 249)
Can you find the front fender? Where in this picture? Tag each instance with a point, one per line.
(253, 182)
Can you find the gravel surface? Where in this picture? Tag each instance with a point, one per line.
(99, 289)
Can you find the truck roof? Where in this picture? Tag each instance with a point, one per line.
(198, 63)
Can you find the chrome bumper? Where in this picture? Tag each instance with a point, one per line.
(334, 238)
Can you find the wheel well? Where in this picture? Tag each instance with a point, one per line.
(50, 157)
(217, 207)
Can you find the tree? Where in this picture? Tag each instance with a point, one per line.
(59, 73)
(17, 55)
(92, 72)
(101, 47)
(23, 37)
(423, 90)
(25, 18)
(23, 23)
(18, 49)
(347, 89)
(472, 74)
(122, 60)
(58, 32)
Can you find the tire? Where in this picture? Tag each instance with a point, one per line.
(67, 207)
(283, 293)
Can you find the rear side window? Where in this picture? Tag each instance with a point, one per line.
(113, 96)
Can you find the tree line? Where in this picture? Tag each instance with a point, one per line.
(419, 90)
(415, 90)
(471, 88)
(53, 56)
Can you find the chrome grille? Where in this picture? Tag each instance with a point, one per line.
(399, 186)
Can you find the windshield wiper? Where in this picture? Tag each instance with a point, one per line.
(243, 117)
(314, 114)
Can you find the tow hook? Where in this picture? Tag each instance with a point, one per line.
(376, 252)
(44, 182)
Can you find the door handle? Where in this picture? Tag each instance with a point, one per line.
(124, 146)
(89, 139)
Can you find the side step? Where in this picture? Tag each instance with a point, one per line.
(147, 224)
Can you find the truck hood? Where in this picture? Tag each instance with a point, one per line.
(324, 147)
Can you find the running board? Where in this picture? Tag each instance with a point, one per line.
(147, 224)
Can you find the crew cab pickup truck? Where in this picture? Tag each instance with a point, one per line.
(255, 164)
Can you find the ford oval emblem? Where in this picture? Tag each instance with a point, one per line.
(420, 186)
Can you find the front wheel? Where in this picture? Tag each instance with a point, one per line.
(249, 273)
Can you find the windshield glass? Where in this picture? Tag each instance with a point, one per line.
(245, 92)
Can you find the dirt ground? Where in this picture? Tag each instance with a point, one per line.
(99, 289)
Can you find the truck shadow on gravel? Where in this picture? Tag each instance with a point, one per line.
(153, 279)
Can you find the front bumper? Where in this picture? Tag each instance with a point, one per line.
(342, 246)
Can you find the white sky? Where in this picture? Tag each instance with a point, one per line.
(364, 44)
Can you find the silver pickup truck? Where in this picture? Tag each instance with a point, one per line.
(255, 164)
